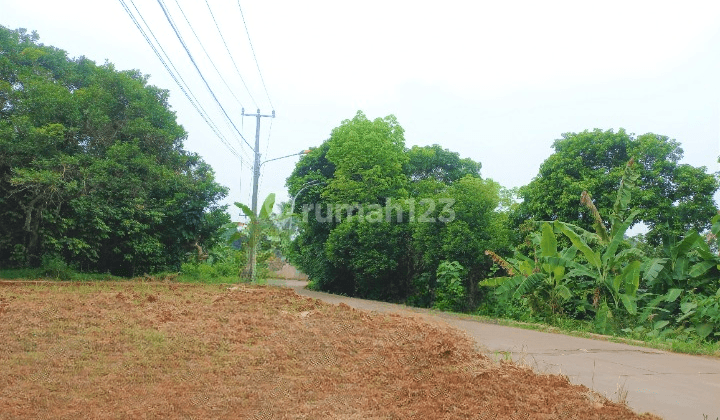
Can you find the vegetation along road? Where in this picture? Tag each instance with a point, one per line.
(615, 235)
(673, 386)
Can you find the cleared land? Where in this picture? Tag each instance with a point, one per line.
(130, 350)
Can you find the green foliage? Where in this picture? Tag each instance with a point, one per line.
(450, 293)
(370, 256)
(683, 285)
(542, 280)
(580, 271)
(92, 168)
(380, 246)
(672, 197)
(431, 168)
(369, 158)
(220, 263)
(264, 235)
(673, 293)
(55, 267)
(600, 264)
(609, 262)
(703, 313)
(476, 226)
(603, 320)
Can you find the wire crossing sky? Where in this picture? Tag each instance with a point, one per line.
(497, 82)
(192, 60)
(180, 81)
(230, 54)
(253, 53)
(165, 59)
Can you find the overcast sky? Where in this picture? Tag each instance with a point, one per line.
(497, 82)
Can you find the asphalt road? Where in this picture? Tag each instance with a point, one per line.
(673, 386)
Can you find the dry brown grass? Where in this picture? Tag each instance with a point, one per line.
(114, 350)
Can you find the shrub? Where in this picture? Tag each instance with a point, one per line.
(449, 293)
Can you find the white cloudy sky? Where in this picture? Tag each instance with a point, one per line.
(494, 81)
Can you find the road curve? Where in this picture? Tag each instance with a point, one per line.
(673, 386)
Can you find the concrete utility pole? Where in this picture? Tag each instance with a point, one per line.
(256, 178)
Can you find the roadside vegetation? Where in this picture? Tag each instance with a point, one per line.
(555, 252)
(95, 185)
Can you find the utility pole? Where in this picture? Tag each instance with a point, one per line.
(256, 178)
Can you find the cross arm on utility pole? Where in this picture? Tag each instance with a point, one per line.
(258, 114)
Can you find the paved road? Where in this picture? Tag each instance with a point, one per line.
(673, 386)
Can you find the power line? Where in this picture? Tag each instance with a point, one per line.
(194, 98)
(207, 85)
(230, 54)
(230, 125)
(208, 55)
(186, 89)
(254, 56)
(187, 93)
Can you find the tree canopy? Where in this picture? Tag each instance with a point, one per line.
(672, 197)
(92, 166)
(379, 219)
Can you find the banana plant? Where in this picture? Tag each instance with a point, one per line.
(259, 224)
(606, 259)
(544, 277)
(684, 284)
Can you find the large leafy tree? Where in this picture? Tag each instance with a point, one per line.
(360, 164)
(673, 197)
(399, 230)
(442, 165)
(92, 168)
(368, 158)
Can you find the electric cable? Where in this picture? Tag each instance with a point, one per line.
(194, 63)
(188, 95)
(179, 75)
(254, 56)
(208, 55)
(230, 54)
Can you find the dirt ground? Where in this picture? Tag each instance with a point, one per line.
(131, 350)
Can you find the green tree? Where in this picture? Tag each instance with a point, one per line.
(370, 260)
(431, 168)
(683, 284)
(92, 169)
(450, 293)
(306, 185)
(473, 226)
(377, 220)
(601, 262)
(368, 158)
(673, 197)
(262, 225)
(542, 276)
(360, 165)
